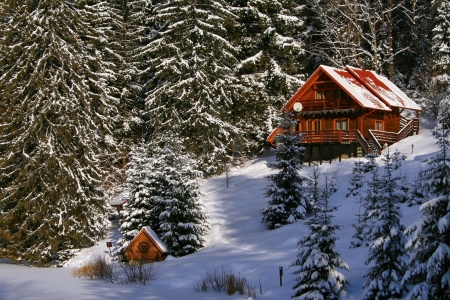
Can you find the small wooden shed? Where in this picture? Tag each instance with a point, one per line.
(146, 246)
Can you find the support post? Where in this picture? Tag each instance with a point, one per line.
(281, 275)
(331, 152)
(320, 153)
(310, 154)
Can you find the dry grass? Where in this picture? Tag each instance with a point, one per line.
(221, 279)
(97, 268)
(139, 272)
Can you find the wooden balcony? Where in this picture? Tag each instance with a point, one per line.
(328, 136)
(326, 104)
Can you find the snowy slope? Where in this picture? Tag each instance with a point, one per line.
(237, 240)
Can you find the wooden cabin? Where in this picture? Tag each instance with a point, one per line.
(146, 246)
(350, 111)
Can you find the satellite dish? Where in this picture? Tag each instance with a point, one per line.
(298, 107)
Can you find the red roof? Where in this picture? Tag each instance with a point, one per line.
(367, 88)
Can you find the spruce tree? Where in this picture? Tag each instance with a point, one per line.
(357, 180)
(287, 188)
(317, 276)
(440, 44)
(386, 240)
(192, 57)
(429, 263)
(270, 60)
(55, 120)
(182, 222)
(140, 209)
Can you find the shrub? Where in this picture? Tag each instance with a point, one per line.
(139, 272)
(97, 268)
(221, 279)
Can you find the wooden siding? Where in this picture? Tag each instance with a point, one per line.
(133, 252)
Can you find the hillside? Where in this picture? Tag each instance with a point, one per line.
(237, 240)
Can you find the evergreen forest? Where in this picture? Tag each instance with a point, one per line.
(93, 90)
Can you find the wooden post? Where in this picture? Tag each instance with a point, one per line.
(310, 154)
(340, 152)
(109, 245)
(281, 275)
(320, 153)
(331, 152)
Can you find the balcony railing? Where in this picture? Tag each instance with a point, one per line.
(328, 136)
(326, 104)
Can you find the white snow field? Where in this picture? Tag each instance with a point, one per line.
(237, 240)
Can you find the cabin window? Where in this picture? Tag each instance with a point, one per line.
(323, 94)
(344, 95)
(319, 95)
(341, 124)
(336, 93)
(314, 125)
(379, 125)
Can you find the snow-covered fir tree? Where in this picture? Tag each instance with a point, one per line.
(440, 43)
(357, 180)
(418, 191)
(270, 59)
(56, 125)
(396, 159)
(164, 194)
(287, 188)
(429, 245)
(318, 262)
(370, 164)
(313, 191)
(192, 57)
(127, 33)
(183, 221)
(140, 209)
(387, 253)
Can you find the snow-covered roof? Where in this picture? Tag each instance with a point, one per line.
(155, 238)
(367, 88)
(383, 88)
(355, 88)
(119, 199)
(152, 235)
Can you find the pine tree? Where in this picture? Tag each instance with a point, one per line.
(317, 260)
(386, 240)
(429, 246)
(418, 191)
(192, 57)
(56, 125)
(270, 61)
(182, 221)
(440, 46)
(286, 190)
(141, 208)
(357, 180)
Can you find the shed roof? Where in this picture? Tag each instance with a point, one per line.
(119, 199)
(152, 235)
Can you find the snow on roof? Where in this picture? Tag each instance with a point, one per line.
(155, 238)
(383, 88)
(120, 199)
(355, 88)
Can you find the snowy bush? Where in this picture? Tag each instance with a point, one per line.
(221, 279)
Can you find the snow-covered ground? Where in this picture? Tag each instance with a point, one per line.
(237, 240)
